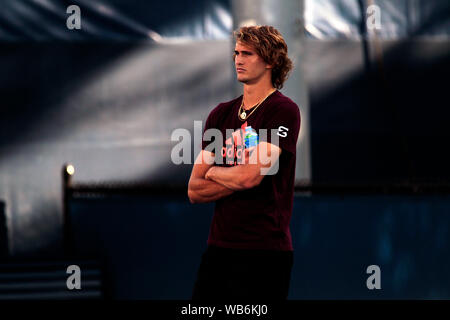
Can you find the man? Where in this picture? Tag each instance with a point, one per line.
(250, 253)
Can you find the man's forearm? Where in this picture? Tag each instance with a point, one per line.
(202, 190)
(230, 177)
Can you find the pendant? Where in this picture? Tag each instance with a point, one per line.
(243, 115)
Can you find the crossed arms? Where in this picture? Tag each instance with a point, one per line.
(209, 183)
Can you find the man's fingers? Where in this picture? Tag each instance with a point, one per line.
(248, 152)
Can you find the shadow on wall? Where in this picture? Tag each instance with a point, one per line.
(59, 84)
(386, 121)
(384, 126)
(123, 139)
(53, 72)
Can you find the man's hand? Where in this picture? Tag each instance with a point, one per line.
(209, 173)
(249, 156)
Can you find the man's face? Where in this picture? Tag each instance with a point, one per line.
(250, 67)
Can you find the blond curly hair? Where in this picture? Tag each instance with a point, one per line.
(271, 47)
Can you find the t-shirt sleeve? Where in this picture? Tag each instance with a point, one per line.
(283, 127)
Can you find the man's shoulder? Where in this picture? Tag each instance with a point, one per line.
(282, 103)
(281, 99)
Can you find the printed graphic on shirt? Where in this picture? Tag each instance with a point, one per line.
(234, 149)
(246, 138)
(282, 131)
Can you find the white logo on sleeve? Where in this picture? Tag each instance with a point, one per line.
(282, 131)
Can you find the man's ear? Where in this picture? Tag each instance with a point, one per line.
(269, 66)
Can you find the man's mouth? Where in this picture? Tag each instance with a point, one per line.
(240, 70)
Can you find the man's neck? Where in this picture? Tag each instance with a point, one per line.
(254, 93)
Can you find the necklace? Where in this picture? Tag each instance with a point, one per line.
(242, 115)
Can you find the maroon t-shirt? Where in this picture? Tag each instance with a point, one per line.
(256, 218)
